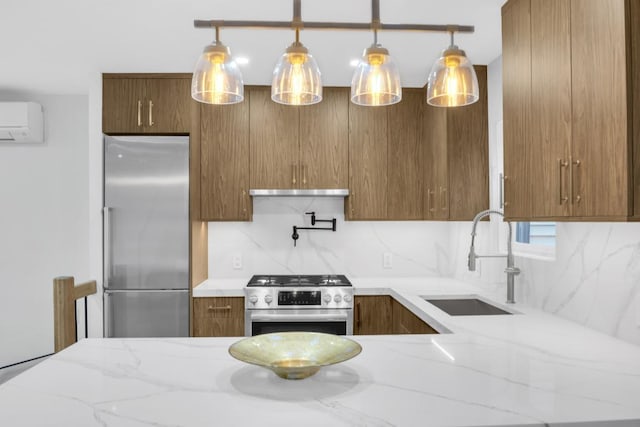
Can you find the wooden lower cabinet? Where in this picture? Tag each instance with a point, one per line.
(405, 322)
(383, 315)
(218, 317)
(372, 315)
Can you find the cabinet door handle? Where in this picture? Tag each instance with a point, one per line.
(501, 191)
(304, 174)
(577, 198)
(504, 189)
(561, 164)
(151, 123)
(294, 170)
(358, 315)
(429, 204)
(139, 113)
(224, 308)
(443, 198)
(244, 201)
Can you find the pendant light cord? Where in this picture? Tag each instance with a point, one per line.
(375, 19)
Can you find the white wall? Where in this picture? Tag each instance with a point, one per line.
(356, 249)
(44, 225)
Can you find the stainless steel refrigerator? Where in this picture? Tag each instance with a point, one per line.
(146, 236)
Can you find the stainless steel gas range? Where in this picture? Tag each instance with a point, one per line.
(322, 303)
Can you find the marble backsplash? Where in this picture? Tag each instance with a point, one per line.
(594, 279)
(357, 248)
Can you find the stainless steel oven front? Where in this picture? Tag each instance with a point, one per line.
(277, 309)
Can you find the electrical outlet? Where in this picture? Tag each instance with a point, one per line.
(236, 260)
(387, 260)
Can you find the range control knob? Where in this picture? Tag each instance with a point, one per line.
(253, 299)
(347, 298)
(337, 298)
(268, 299)
(327, 298)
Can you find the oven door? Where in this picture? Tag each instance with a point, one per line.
(337, 322)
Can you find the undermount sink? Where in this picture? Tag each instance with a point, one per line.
(465, 306)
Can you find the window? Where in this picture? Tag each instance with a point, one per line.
(535, 239)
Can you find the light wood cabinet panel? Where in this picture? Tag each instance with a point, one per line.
(404, 172)
(225, 162)
(468, 155)
(218, 317)
(405, 322)
(383, 315)
(580, 156)
(324, 141)
(549, 150)
(122, 101)
(273, 141)
(634, 23)
(516, 82)
(599, 101)
(146, 104)
(372, 315)
(435, 163)
(367, 163)
(168, 106)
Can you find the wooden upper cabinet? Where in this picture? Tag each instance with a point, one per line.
(224, 162)
(432, 163)
(367, 163)
(146, 104)
(324, 141)
(600, 83)
(404, 171)
(569, 133)
(468, 155)
(122, 101)
(516, 86)
(274, 142)
(168, 105)
(550, 148)
(435, 164)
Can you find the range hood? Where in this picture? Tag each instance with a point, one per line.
(330, 192)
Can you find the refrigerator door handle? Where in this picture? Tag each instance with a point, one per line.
(106, 318)
(106, 268)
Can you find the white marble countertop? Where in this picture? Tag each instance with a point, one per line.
(530, 369)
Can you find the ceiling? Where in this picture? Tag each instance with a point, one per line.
(56, 46)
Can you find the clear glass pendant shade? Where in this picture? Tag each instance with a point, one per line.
(296, 78)
(217, 78)
(452, 81)
(376, 80)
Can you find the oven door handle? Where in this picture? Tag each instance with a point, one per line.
(338, 316)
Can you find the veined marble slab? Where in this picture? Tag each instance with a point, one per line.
(531, 369)
(419, 380)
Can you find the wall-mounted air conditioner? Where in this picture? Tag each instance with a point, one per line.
(21, 122)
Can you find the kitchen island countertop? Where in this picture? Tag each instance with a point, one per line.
(530, 368)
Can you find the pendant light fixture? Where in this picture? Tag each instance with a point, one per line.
(376, 81)
(452, 81)
(296, 77)
(217, 78)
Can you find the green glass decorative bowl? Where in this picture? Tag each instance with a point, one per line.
(295, 355)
